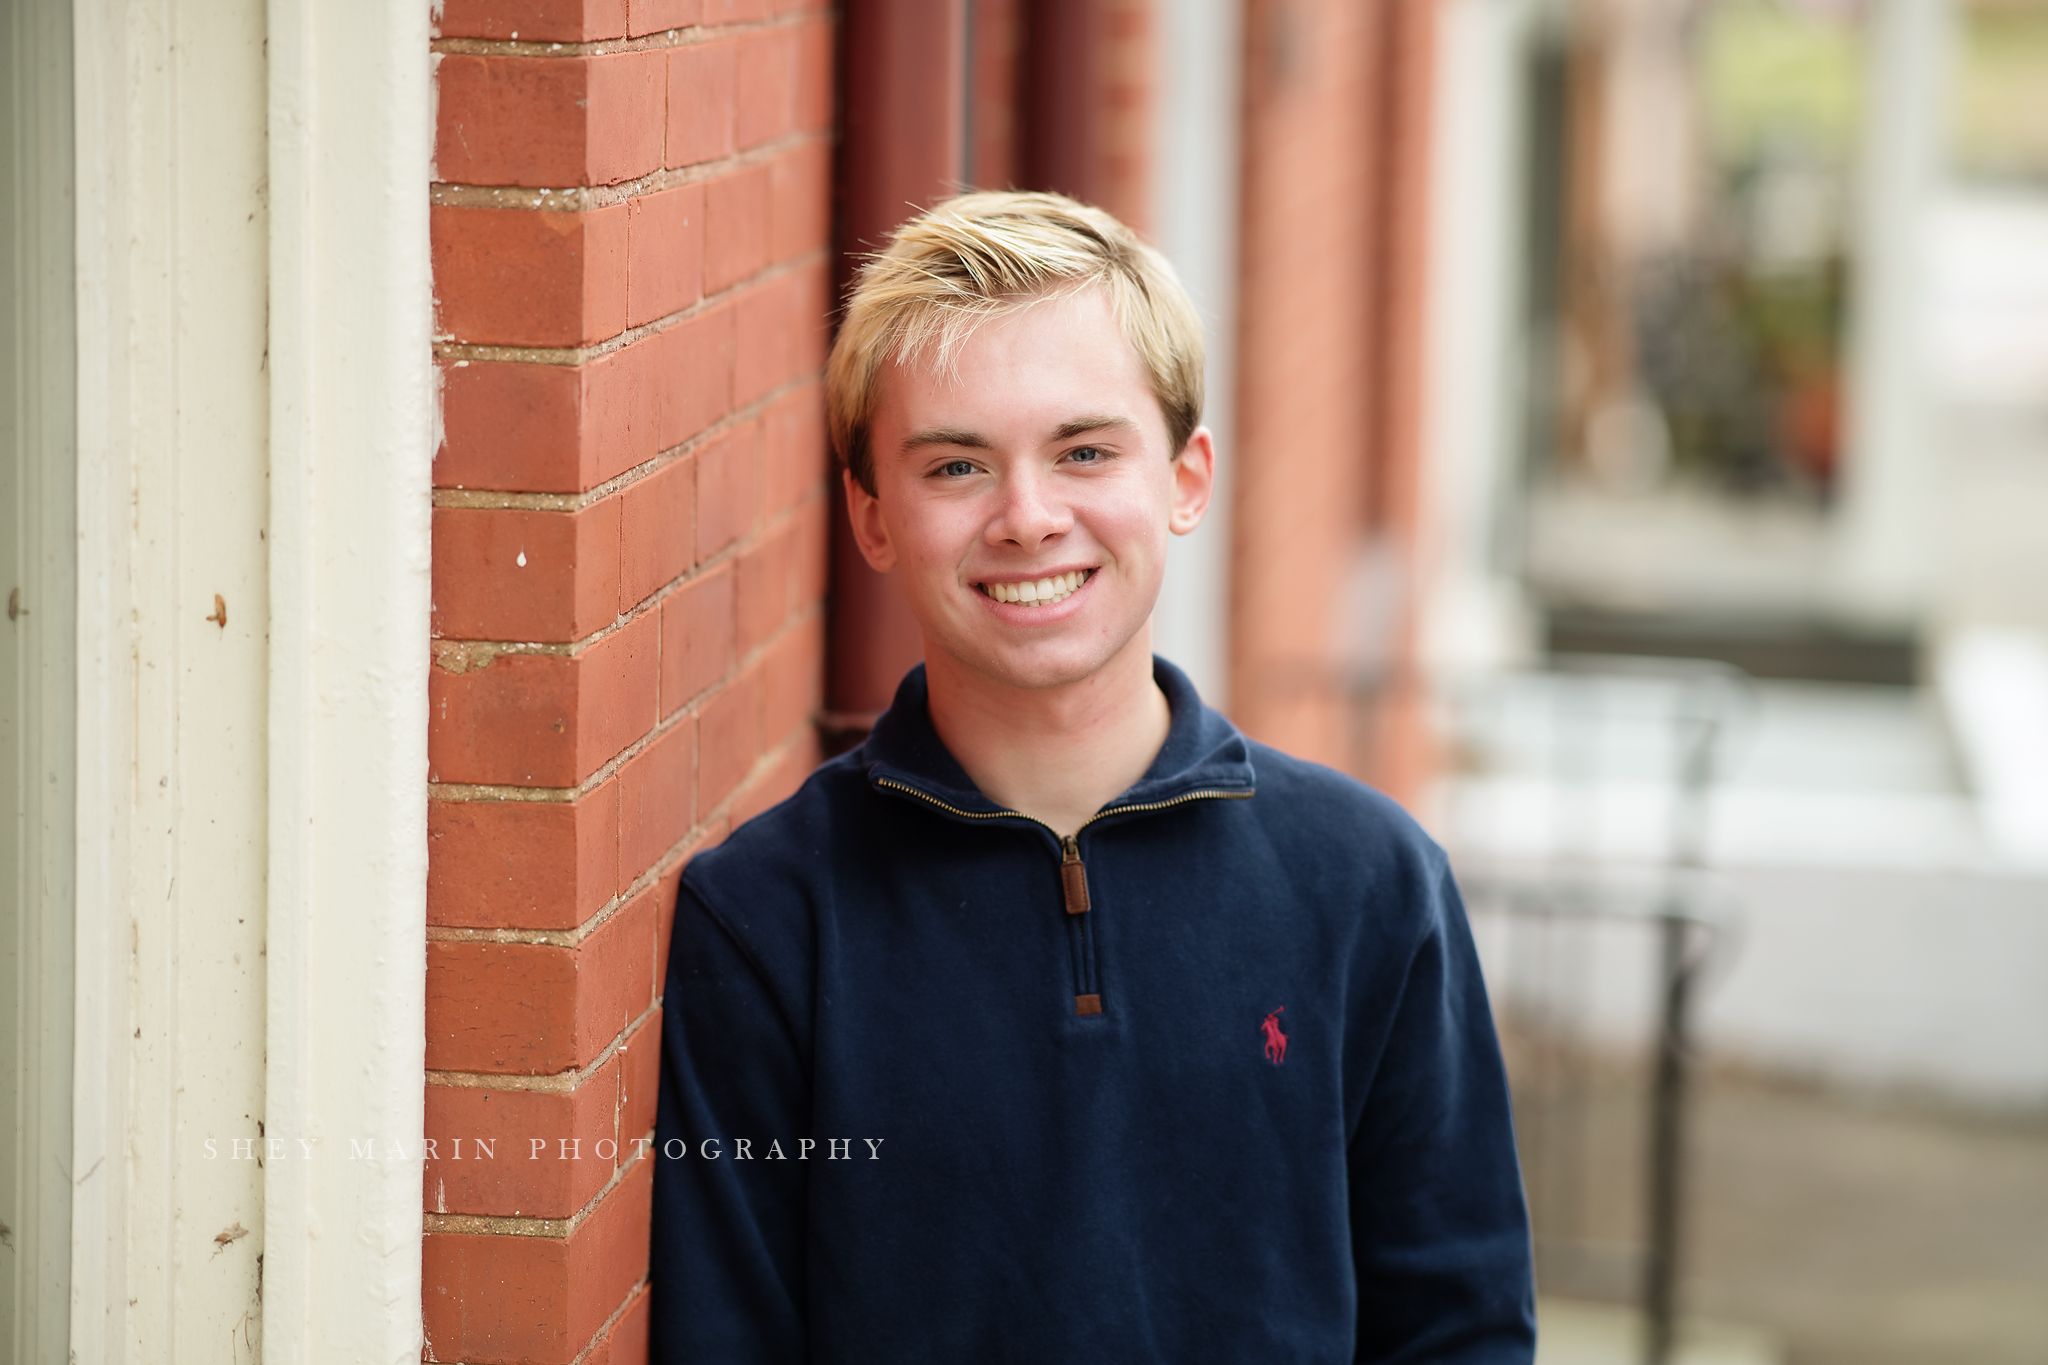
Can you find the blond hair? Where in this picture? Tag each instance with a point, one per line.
(983, 255)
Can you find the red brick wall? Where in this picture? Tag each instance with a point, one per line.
(630, 225)
(1329, 385)
(1087, 102)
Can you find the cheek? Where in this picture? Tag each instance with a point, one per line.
(1135, 531)
(934, 536)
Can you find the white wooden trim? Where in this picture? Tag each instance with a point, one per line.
(1475, 380)
(352, 440)
(37, 652)
(1886, 568)
(1198, 64)
(106, 691)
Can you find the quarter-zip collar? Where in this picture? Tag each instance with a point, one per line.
(1203, 754)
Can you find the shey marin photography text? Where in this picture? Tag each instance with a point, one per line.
(261, 1149)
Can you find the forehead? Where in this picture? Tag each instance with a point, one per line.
(1026, 371)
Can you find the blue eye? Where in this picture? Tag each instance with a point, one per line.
(1085, 455)
(958, 469)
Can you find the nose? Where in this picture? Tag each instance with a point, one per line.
(1030, 512)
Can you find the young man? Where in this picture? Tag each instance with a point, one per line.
(1058, 1021)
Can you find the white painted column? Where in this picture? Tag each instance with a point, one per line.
(1889, 516)
(256, 428)
(1474, 618)
(173, 411)
(1201, 60)
(352, 439)
(106, 712)
(37, 680)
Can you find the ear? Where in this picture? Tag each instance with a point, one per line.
(1194, 480)
(870, 532)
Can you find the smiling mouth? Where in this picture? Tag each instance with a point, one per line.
(1042, 592)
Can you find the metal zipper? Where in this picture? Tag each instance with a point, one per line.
(1073, 873)
(1102, 814)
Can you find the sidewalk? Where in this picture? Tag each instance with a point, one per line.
(1867, 1232)
(1571, 1332)
(1837, 1230)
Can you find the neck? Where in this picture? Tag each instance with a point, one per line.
(1057, 754)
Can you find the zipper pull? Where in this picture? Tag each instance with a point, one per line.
(1073, 876)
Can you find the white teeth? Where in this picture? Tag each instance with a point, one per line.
(1040, 592)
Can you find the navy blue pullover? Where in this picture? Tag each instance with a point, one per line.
(1213, 1081)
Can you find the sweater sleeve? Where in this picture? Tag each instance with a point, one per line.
(1439, 1229)
(727, 1261)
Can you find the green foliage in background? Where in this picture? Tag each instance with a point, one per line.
(1771, 73)
(1998, 104)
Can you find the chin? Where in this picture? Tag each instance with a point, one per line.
(1040, 674)
(1049, 663)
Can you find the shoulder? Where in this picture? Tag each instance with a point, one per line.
(787, 850)
(1324, 803)
(1343, 835)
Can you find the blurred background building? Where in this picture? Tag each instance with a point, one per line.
(1741, 387)
(1633, 419)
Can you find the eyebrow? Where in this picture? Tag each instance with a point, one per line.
(1092, 422)
(974, 440)
(947, 436)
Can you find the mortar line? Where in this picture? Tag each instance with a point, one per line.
(544, 1083)
(463, 655)
(448, 348)
(486, 791)
(683, 36)
(501, 1225)
(605, 1330)
(463, 194)
(458, 655)
(493, 499)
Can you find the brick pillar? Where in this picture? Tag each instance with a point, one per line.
(1330, 319)
(1087, 99)
(630, 226)
(1393, 744)
(903, 65)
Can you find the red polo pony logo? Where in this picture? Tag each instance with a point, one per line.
(1276, 1041)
